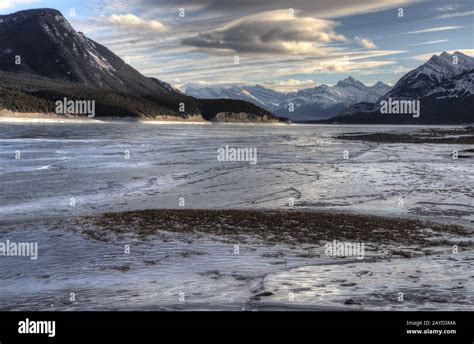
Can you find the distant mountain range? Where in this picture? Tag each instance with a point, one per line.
(258, 95)
(444, 86)
(315, 103)
(43, 59)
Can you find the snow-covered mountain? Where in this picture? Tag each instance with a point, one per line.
(319, 102)
(444, 85)
(460, 87)
(429, 77)
(50, 47)
(325, 101)
(258, 95)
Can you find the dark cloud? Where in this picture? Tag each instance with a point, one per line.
(270, 32)
(309, 7)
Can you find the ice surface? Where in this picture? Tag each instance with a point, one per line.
(87, 162)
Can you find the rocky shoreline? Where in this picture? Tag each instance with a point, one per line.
(435, 135)
(227, 117)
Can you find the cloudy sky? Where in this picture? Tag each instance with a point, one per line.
(281, 44)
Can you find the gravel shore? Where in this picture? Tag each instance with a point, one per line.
(274, 226)
(437, 135)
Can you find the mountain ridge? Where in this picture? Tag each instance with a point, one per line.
(323, 99)
(44, 59)
(444, 86)
(49, 46)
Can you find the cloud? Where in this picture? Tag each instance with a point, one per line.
(284, 86)
(435, 29)
(321, 9)
(260, 69)
(429, 42)
(271, 45)
(365, 42)
(401, 70)
(269, 33)
(447, 8)
(338, 66)
(12, 3)
(454, 15)
(131, 21)
(289, 85)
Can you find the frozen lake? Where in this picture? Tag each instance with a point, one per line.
(51, 173)
(88, 163)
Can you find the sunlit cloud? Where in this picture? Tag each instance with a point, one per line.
(289, 85)
(365, 42)
(130, 21)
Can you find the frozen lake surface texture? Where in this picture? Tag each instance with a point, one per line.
(52, 173)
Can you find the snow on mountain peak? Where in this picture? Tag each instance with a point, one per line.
(456, 62)
(433, 75)
(324, 97)
(350, 81)
(54, 49)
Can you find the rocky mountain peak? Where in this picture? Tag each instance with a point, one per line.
(48, 46)
(350, 81)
